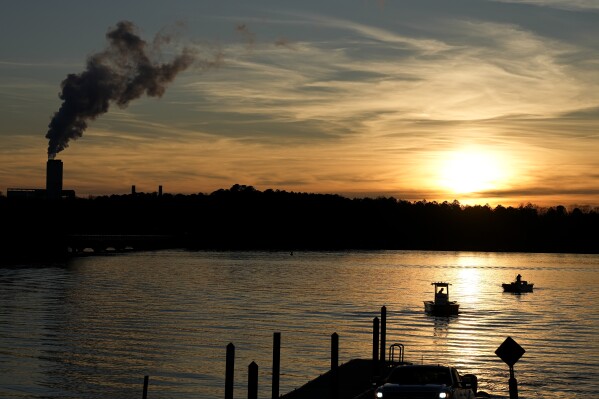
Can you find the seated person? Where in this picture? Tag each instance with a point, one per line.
(441, 296)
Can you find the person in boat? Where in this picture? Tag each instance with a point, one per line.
(518, 279)
(440, 296)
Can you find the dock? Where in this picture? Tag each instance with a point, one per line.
(355, 379)
(354, 382)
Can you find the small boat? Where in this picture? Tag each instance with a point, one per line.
(518, 286)
(441, 306)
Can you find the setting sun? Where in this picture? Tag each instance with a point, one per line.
(472, 170)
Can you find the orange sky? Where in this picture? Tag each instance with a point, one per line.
(482, 101)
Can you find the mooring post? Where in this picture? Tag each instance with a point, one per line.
(253, 381)
(276, 364)
(513, 383)
(334, 351)
(145, 391)
(230, 368)
(334, 366)
(383, 335)
(375, 347)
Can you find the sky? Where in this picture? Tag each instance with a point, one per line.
(481, 101)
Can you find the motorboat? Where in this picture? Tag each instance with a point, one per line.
(441, 306)
(518, 286)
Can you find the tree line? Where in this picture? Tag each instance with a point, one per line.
(244, 218)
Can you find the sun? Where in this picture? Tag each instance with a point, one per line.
(472, 170)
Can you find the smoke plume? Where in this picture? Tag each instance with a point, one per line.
(122, 72)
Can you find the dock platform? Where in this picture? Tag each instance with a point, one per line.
(355, 382)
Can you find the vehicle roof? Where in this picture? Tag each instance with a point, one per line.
(424, 366)
(421, 374)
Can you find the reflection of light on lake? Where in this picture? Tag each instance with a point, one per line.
(468, 260)
(468, 284)
(441, 326)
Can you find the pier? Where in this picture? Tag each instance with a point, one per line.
(354, 382)
(355, 379)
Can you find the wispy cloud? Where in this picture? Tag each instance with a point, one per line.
(503, 71)
(561, 4)
(375, 33)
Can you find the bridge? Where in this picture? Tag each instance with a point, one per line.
(98, 243)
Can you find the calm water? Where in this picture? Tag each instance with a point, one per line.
(95, 327)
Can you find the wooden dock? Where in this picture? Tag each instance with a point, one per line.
(355, 379)
(354, 382)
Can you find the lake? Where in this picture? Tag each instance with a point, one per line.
(94, 327)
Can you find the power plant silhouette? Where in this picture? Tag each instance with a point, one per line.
(53, 190)
(125, 70)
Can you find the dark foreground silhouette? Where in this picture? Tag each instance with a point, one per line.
(243, 218)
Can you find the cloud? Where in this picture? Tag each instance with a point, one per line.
(370, 88)
(560, 4)
(250, 37)
(373, 33)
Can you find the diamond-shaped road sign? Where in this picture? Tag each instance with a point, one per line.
(509, 351)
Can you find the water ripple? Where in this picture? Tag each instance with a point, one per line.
(96, 326)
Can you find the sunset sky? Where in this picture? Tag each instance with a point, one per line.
(476, 100)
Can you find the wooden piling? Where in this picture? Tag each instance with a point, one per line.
(145, 391)
(229, 373)
(276, 364)
(375, 346)
(253, 381)
(383, 334)
(334, 366)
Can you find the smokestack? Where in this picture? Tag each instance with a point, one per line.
(133, 189)
(54, 179)
(160, 191)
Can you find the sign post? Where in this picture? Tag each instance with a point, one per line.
(510, 352)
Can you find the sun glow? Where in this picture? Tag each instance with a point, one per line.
(472, 170)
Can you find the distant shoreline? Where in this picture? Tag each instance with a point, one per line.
(243, 218)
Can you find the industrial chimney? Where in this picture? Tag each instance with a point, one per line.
(54, 179)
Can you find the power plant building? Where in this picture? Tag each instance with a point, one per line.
(53, 189)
